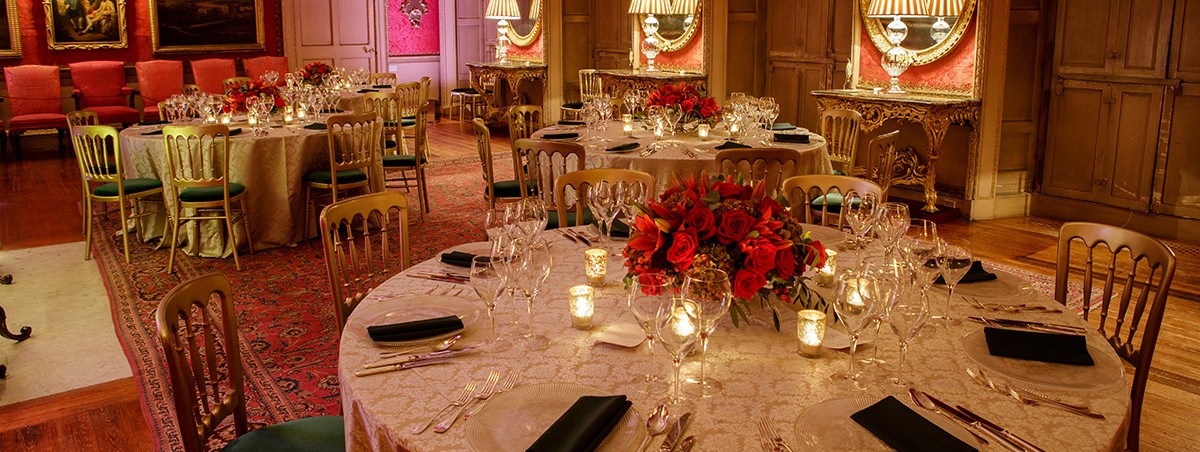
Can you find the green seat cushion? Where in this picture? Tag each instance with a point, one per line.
(838, 173)
(210, 193)
(318, 433)
(832, 201)
(388, 144)
(407, 121)
(349, 176)
(512, 189)
(393, 161)
(552, 216)
(131, 186)
(573, 105)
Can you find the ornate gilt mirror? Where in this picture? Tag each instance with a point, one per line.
(676, 30)
(928, 39)
(524, 31)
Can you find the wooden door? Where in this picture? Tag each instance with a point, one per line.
(1180, 179)
(1086, 36)
(1144, 28)
(343, 33)
(1075, 143)
(1134, 117)
(613, 29)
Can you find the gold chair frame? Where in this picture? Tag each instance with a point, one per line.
(483, 143)
(354, 142)
(801, 190)
(590, 86)
(354, 262)
(523, 121)
(406, 102)
(579, 180)
(539, 163)
(381, 78)
(84, 118)
(882, 155)
(769, 165)
(98, 152)
(841, 127)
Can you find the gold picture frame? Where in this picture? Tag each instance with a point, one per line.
(175, 27)
(75, 24)
(921, 57)
(11, 48)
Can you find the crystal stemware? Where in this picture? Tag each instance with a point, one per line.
(855, 307)
(892, 223)
(488, 284)
(646, 294)
(906, 318)
(891, 277)
(709, 291)
(532, 261)
(954, 262)
(860, 211)
(678, 327)
(603, 204)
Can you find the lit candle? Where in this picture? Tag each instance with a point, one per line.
(658, 132)
(702, 130)
(627, 119)
(825, 274)
(595, 265)
(628, 129)
(289, 115)
(810, 331)
(252, 119)
(681, 322)
(301, 112)
(582, 306)
(733, 127)
(226, 118)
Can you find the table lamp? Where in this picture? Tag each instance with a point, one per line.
(535, 10)
(896, 60)
(650, 26)
(502, 10)
(941, 9)
(688, 8)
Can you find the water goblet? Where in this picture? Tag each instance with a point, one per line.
(678, 328)
(646, 293)
(892, 223)
(528, 217)
(709, 292)
(602, 201)
(892, 276)
(532, 262)
(855, 307)
(954, 262)
(488, 284)
(906, 318)
(859, 210)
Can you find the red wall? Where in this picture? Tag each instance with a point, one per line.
(405, 40)
(953, 72)
(689, 58)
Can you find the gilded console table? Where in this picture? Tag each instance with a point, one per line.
(616, 81)
(513, 73)
(934, 112)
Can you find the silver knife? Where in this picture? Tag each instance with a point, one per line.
(415, 358)
(1000, 430)
(687, 443)
(395, 367)
(672, 440)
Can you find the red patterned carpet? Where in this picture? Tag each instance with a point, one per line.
(288, 334)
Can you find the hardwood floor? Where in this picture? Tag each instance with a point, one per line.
(39, 206)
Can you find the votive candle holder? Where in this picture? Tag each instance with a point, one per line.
(825, 274)
(226, 118)
(702, 131)
(810, 332)
(582, 306)
(595, 265)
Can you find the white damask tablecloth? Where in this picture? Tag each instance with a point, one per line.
(761, 371)
(272, 168)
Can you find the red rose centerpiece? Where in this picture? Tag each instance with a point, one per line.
(724, 224)
(235, 99)
(695, 105)
(315, 73)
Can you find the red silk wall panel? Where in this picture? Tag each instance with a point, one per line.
(404, 39)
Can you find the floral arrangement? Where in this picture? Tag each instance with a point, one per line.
(723, 224)
(235, 99)
(695, 105)
(315, 73)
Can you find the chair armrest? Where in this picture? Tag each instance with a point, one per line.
(75, 94)
(129, 93)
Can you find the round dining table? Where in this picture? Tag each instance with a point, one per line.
(762, 373)
(684, 153)
(271, 166)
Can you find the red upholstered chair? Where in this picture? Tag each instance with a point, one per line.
(36, 97)
(100, 87)
(157, 81)
(209, 74)
(256, 67)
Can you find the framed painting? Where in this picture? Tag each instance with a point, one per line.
(10, 41)
(85, 24)
(190, 26)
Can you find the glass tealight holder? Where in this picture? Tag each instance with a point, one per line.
(211, 118)
(810, 332)
(702, 131)
(582, 306)
(226, 118)
(595, 265)
(252, 120)
(301, 112)
(289, 115)
(824, 276)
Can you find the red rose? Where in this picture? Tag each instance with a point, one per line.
(734, 227)
(683, 250)
(650, 283)
(746, 283)
(701, 220)
(785, 263)
(760, 257)
(816, 254)
(727, 189)
(687, 105)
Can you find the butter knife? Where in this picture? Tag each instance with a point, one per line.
(414, 358)
(395, 367)
(972, 422)
(1026, 445)
(687, 443)
(672, 440)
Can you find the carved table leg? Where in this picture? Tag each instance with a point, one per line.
(25, 330)
(935, 126)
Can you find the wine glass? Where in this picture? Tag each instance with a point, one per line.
(529, 217)
(855, 306)
(495, 224)
(892, 223)
(678, 327)
(646, 293)
(709, 291)
(920, 248)
(603, 204)
(860, 212)
(532, 261)
(891, 277)
(906, 318)
(488, 284)
(954, 262)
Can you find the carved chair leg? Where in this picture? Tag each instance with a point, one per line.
(25, 330)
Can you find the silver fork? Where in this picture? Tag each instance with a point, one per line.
(507, 384)
(1029, 397)
(483, 394)
(462, 399)
(777, 441)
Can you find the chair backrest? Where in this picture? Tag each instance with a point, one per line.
(578, 181)
(802, 190)
(359, 235)
(523, 121)
(354, 141)
(381, 78)
(82, 118)
(198, 156)
(1139, 299)
(410, 97)
(840, 128)
(413, 103)
(197, 326)
(191, 88)
(589, 84)
(159, 80)
(882, 158)
(33, 89)
(98, 152)
(387, 105)
(100, 83)
(166, 113)
(256, 67)
(208, 74)
(538, 163)
(483, 143)
(234, 82)
(770, 165)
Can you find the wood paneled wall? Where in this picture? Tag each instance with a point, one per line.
(474, 37)
(579, 45)
(612, 28)
(1025, 102)
(807, 45)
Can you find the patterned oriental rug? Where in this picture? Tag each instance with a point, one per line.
(288, 333)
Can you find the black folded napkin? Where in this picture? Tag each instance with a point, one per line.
(584, 426)
(791, 137)
(151, 123)
(974, 274)
(620, 229)
(458, 258)
(316, 126)
(417, 329)
(367, 90)
(624, 147)
(235, 132)
(732, 145)
(153, 132)
(381, 86)
(905, 430)
(1038, 346)
(571, 123)
(559, 136)
(782, 126)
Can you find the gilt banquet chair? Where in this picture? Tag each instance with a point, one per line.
(381, 78)
(577, 182)
(813, 196)
(36, 97)
(209, 74)
(158, 80)
(359, 235)
(100, 87)
(1118, 257)
(507, 190)
(98, 152)
(87, 118)
(840, 128)
(882, 157)
(539, 163)
(256, 67)
(198, 329)
(523, 121)
(354, 141)
(407, 117)
(769, 165)
(589, 87)
(198, 158)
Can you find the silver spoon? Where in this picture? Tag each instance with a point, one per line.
(656, 424)
(440, 346)
(919, 398)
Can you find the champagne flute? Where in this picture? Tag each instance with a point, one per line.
(954, 262)
(488, 284)
(648, 292)
(678, 327)
(855, 307)
(710, 293)
(906, 319)
(533, 259)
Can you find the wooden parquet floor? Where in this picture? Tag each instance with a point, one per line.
(39, 205)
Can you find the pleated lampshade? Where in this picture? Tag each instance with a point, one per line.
(899, 8)
(535, 9)
(945, 8)
(502, 9)
(685, 7)
(650, 7)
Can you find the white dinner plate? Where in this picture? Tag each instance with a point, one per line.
(827, 426)
(1006, 286)
(412, 308)
(514, 419)
(1105, 373)
(829, 237)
